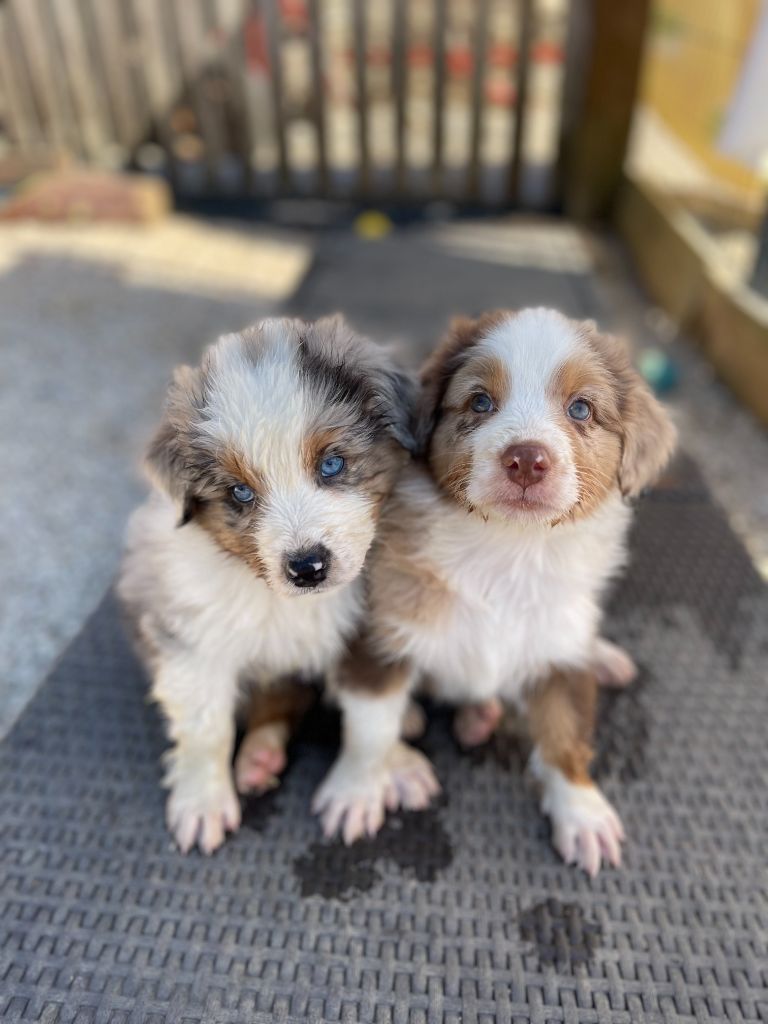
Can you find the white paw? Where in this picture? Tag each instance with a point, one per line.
(261, 758)
(586, 830)
(612, 665)
(354, 797)
(201, 810)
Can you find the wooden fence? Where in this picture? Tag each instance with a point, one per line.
(467, 100)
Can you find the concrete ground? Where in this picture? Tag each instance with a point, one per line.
(93, 327)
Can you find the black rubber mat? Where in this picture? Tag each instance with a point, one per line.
(463, 913)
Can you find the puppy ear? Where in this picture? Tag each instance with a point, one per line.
(394, 403)
(169, 455)
(649, 437)
(351, 366)
(462, 334)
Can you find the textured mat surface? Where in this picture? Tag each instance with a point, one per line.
(462, 913)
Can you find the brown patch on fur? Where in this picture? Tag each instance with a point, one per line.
(445, 427)
(363, 671)
(646, 432)
(232, 530)
(451, 353)
(561, 716)
(595, 443)
(287, 701)
(404, 588)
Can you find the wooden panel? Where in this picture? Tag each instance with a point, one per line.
(605, 51)
(361, 83)
(525, 32)
(438, 94)
(317, 101)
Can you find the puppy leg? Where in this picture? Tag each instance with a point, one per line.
(613, 666)
(375, 772)
(474, 724)
(198, 699)
(585, 828)
(272, 718)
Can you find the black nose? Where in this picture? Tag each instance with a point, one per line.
(308, 568)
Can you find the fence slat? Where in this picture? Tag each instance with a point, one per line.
(400, 88)
(190, 31)
(273, 28)
(524, 36)
(317, 101)
(130, 120)
(438, 94)
(479, 48)
(95, 129)
(19, 103)
(230, 23)
(361, 83)
(36, 45)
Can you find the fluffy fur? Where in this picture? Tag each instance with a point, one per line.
(207, 579)
(487, 575)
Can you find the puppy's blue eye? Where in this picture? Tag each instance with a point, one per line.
(482, 403)
(243, 493)
(331, 466)
(579, 410)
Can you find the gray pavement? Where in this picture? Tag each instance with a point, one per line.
(86, 355)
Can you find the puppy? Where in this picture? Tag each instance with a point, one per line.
(242, 570)
(491, 561)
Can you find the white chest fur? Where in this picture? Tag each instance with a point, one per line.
(524, 598)
(211, 602)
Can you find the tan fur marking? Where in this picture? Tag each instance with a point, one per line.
(287, 701)
(362, 671)
(561, 714)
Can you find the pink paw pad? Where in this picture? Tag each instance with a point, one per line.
(476, 723)
(260, 761)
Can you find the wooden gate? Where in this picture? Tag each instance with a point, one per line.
(463, 100)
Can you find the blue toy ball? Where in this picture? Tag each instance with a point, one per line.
(659, 370)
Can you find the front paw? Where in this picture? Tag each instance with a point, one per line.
(201, 811)
(355, 797)
(585, 828)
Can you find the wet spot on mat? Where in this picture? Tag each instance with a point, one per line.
(561, 934)
(623, 731)
(414, 841)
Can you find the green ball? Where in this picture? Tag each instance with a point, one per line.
(658, 369)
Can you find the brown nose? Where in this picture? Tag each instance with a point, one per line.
(526, 464)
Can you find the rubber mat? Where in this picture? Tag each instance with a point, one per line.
(462, 913)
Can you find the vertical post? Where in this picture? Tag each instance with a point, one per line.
(599, 91)
(438, 111)
(361, 84)
(273, 27)
(479, 47)
(759, 279)
(524, 35)
(400, 87)
(317, 101)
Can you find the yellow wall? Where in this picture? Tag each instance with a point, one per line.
(693, 58)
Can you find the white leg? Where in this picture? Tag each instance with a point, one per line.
(585, 828)
(375, 771)
(198, 699)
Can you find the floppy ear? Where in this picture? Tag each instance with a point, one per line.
(169, 456)
(649, 437)
(437, 371)
(393, 401)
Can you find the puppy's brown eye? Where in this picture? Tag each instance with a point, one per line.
(579, 410)
(481, 403)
